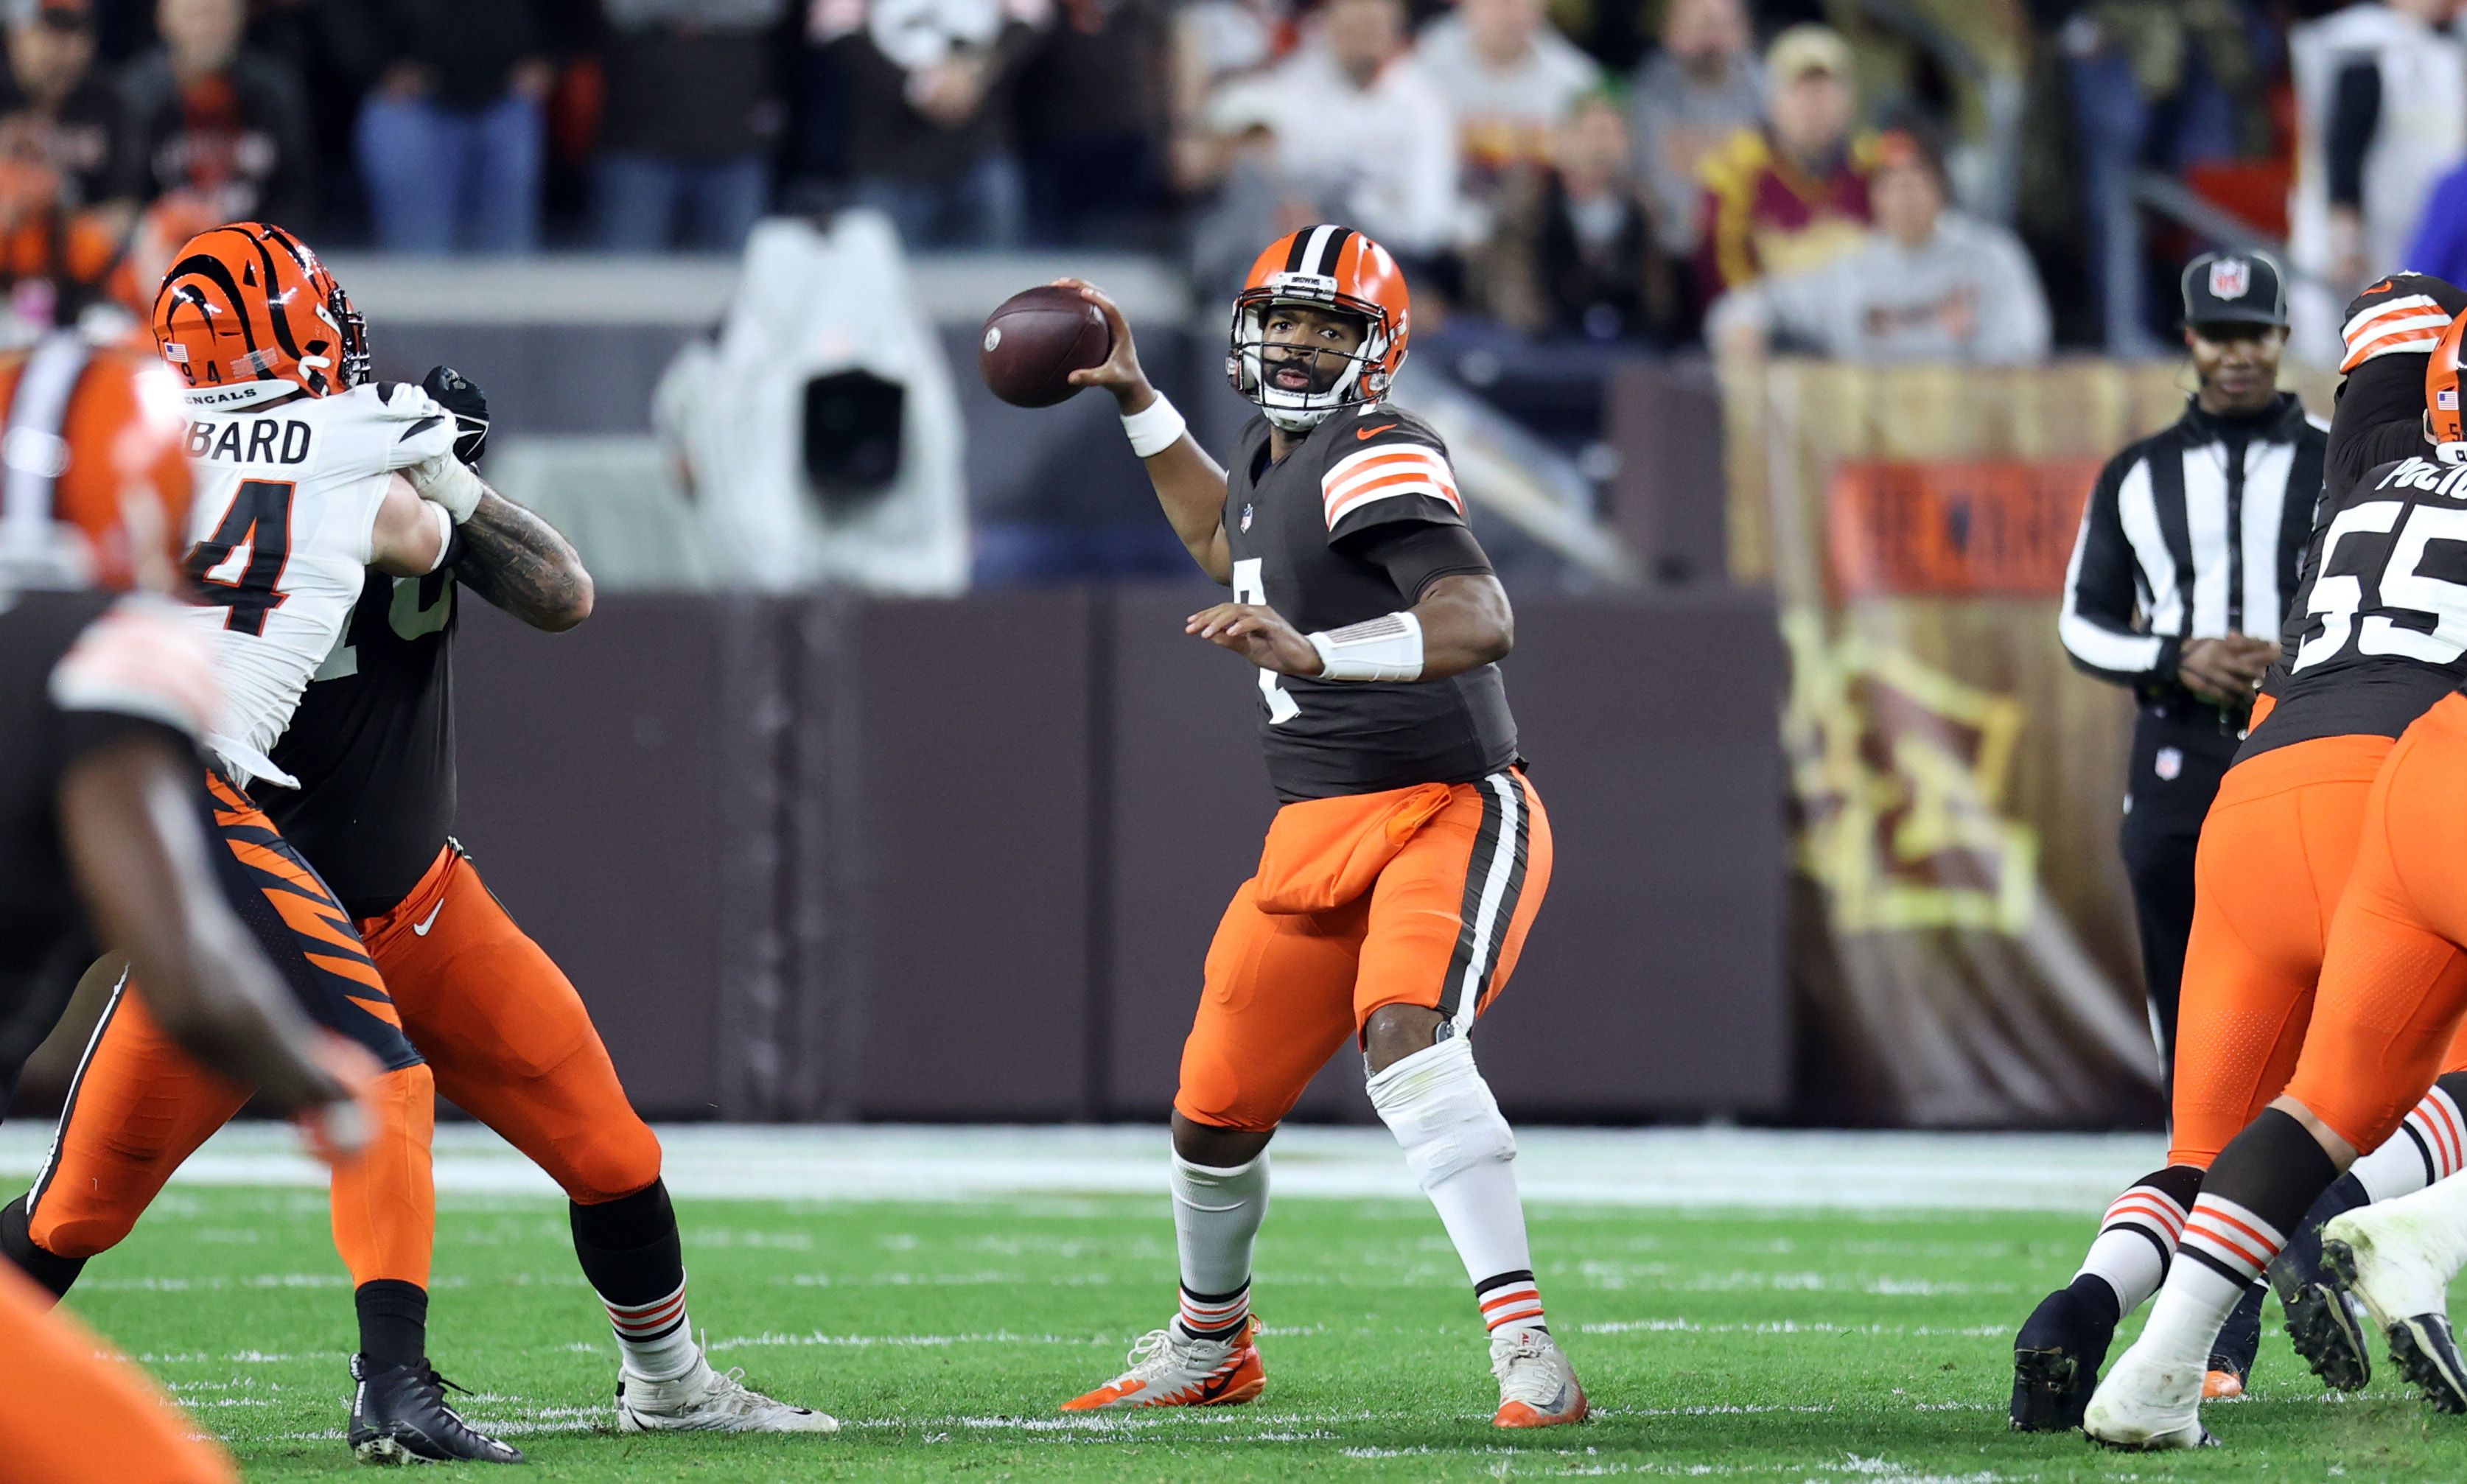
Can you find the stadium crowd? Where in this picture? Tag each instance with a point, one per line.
(1590, 170)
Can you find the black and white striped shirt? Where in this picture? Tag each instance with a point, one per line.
(2195, 532)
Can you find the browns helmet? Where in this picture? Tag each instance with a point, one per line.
(247, 314)
(94, 481)
(2441, 393)
(1323, 267)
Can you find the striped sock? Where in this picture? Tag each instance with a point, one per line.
(1215, 1315)
(656, 1338)
(2139, 1235)
(1510, 1300)
(2429, 1146)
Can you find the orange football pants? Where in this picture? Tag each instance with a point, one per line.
(2393, 979)
(140, 1106)
(1438, 923)
(507, 1036)
(72, 1415)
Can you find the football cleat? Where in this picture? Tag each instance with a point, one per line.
(1170, 1368)
(2148, 1405)
(2377, 1255)
(398, 1415)
(1537, 1386)
(2239, 1343)
(2055, 1362)
(704, 1400)
(2219, 1383)
(2325, 1324)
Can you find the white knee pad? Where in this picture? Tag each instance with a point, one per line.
(1442, 1112)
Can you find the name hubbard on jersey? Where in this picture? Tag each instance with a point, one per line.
(266, 441)
(1295, 530)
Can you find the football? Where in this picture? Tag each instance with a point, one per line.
(1035, 340)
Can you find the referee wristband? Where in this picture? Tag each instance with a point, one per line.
(1388, 647)
(1154, 428)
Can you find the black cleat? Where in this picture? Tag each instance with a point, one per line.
(2056, 1360)
(398, 1415)
(2322, 1324)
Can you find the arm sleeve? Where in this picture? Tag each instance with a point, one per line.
(1397, 473)
(2355, 113)
(2101, 590)
(1415, 553)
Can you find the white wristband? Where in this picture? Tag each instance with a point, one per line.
(447, 481)
(1388, 647)
(445, 533)
(1154, 428)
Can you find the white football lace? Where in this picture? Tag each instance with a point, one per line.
(1525, 1371)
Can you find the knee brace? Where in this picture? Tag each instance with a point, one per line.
(1442, 1112)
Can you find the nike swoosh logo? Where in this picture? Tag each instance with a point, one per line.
(1368, 434)
(421, 927)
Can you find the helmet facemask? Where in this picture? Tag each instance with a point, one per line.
(1362, 378)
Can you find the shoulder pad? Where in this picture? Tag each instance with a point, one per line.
(1392, 460)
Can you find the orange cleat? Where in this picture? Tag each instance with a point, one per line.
(1169, 1368)
(1537, 1386)
(2222, 1387)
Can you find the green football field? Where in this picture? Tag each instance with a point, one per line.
(1801, 1346)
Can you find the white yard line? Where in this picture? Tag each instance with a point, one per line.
(1679, 1168)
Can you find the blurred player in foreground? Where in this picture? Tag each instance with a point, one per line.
(298, 465)
(2277, 848)
(101, 700)
(1410, 855)
(2393, 983)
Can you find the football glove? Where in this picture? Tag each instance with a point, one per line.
(461, 396)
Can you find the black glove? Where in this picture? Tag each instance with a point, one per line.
(461, 396)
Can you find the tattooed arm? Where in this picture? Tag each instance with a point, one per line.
(518, 562)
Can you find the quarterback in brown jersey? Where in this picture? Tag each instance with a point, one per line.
(1410, 853)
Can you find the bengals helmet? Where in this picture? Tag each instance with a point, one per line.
(2441, 391)
(1323, 267)
(247, 314)
(94, 477)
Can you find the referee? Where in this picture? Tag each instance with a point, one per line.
(2178, 585)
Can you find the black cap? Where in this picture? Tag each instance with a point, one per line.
(2235, 288)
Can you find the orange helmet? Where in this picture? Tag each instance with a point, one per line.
(247, 314)
(94, 480)
(1324, 267)
(2441, 418)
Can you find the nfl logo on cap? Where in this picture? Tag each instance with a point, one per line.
(2231, 277)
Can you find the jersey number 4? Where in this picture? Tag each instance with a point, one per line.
(2404, 586)
(238, 565)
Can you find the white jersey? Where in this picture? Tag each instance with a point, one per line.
(282, 525)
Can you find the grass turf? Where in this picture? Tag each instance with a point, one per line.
(1788, 1347)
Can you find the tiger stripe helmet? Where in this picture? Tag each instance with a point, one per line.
(247, 314)
(2442, 395)
(1322, 267)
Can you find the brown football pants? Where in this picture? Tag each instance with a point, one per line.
(72, 1415)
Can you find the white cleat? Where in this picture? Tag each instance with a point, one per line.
(1170, 1368)
(2397, 1261)
(1537, 1386)
(2146, 1405)
(704, 1400)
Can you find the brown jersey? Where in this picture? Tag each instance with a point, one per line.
(1295, 529)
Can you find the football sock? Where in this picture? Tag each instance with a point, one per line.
(1217, 1215)
(2253, 1196)
(393, 1321)
(2431, 1145)
(1462, 1153)
(50, 1270)
(2137, 1236)
(630, 1254)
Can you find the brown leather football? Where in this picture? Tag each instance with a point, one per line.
(1035, 340)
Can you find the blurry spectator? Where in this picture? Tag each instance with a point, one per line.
(930, 88)
(1509, 78)
(55, 113)
(1093, 112)
(1701, 88)
(2380, 98)
(1351, 129)
(210, 120)
(690, 112)
(451, 138)
(2156, 85)
(1929, 285)
(1574, 255)
(1793, 194)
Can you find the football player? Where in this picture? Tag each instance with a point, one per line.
(2276, 851)
(1410, 853)
(100, 834)
(2393, 979)
(300, 488)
